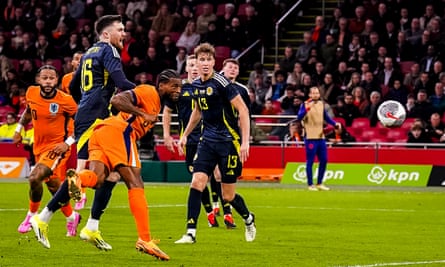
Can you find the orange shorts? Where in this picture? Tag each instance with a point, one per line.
(113, 146)
(56, 163)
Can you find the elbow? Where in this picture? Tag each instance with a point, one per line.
(114, 101)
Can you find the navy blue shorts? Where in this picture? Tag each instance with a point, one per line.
(225, 154)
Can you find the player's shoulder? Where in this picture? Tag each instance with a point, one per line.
(220, 79)
(109, 48)
(144, 89)
(241, 86)
(33, 91)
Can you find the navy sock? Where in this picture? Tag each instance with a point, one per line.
(216, 189)
(193, 207)
(101, 198)
(205, 199)
(240, 207)
(60, 198)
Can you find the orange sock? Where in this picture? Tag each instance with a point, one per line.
(83, 190)
(34, 206)
(88, 178)
(139, 209)
(67, 210)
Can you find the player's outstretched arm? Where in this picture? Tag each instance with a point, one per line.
(124, 102)
(166, 121)
(24, 120)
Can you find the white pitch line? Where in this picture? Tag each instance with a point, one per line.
(396, 263)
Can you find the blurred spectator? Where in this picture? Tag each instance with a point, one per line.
(76, 8)
(397, 92)
(258, 71)
(162, 24)
(414, 33)
(256, 106)
(342, 76)
(306, 85)
(405, 19)
(225, 20)
(388, 74)
(358, 60)
(134, 5)
(296, 76)
(85, 43)
(136, 66)
(295, 133)
(319, 32)
(60, 36)
(88, 32)
(411, 77)
(287, 101)
(269, 109)
(18, 18)
(212, 36)
(44, 49)
(417, 134)
(366, 33)
(427, 62)
(422, 108)
(154, 64)
(327, 52)
(410, 103)
(353, 82)
(27, 72)
(381, 18)
(389, 38)
(288, 61)
(72, 46)
(303, 50)
(435, 128)
(340, 136)
(120, 10)
(424, 83)
(318, 74)
(346, 109)
(437, 100)
(437, 70)
(181, 19)
(167, 51)
(203, 20)
(276, 91)
(28, 49)
(250, 23)
(371, 110)
(64, 16)
(360, 99)
(357, 24)
(181, 60)
(332, 23)
(314, 57)
(329, 91)
(429, 14)
(403, 49)
(189, 39)
(421, 47)
(343, 36)
(5, 49)
(7, 130)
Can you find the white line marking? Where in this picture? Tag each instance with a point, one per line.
(396, 263)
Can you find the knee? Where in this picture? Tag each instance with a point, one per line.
(228, 197)
(199, 181)
(37, 175)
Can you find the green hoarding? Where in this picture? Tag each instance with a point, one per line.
(361, 174)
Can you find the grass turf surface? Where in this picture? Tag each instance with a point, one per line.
(348, 226)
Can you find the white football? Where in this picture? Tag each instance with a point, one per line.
(391, 113)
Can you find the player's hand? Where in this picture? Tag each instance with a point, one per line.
(170, 143)
(244, 152)
(17, 138)
(61, 148)
(150, 118)
(337, 125)
(181, 145)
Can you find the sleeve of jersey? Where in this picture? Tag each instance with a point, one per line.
(148, 98)
(70, 106)
(231, 91)
(74, 86)
(112, 63)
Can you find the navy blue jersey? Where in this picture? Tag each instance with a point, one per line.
(244, 92)
(184, 107)
(99, 72)
(220, 119)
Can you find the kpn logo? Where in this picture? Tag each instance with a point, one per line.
(378, 175)
(300, 174)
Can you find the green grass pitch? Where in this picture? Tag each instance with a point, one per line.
(348, 226)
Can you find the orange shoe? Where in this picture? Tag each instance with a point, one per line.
(151, 248)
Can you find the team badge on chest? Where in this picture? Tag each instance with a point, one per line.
(53, 108)
(209, 91)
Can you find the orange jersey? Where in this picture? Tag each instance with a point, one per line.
(66, 80)
(49, 117)
(145, 97)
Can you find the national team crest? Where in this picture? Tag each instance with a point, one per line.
(53, 108)
(209, 90)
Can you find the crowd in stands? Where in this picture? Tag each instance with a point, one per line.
(362, 54)
(365, 52)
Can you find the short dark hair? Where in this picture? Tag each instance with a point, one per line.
(106, 21)
(166, 75)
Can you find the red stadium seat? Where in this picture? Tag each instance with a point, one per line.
(220, 9)
(405, 66)
(222, 51)
(242, 10)
(360, 123)
(340, 120)
(199, 9)
(174, 36)
(81, 23)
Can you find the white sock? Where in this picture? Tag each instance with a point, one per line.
(46, 215)
(249, 219)
(215, 205)
(71, 217)
(31, 213)
(192, 232)
(93, 224)
(84, 195)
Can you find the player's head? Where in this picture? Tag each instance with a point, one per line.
(231, 68)
(76, 60)
(191, 68)
(47, 78)
(169, 83)
(110, 29)
(205, 59)
(314, 93)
